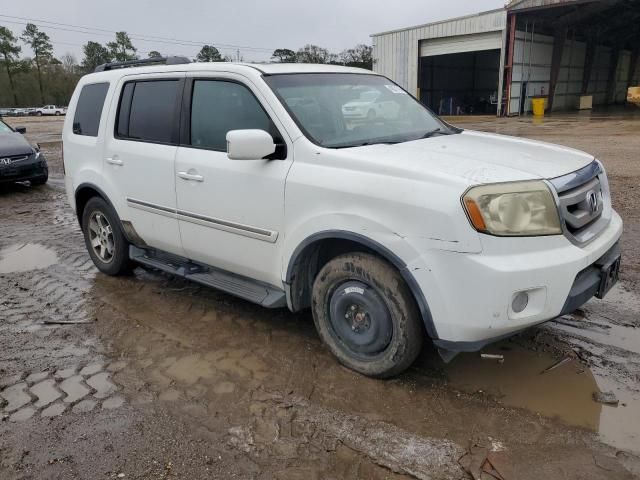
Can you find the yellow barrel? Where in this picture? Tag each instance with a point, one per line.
(538, 106)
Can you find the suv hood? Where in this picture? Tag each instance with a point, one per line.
(14, 144)
(477, 157)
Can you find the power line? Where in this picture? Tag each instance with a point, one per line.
(226, 51)
(136, 36)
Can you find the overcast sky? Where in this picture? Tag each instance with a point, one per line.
(257, 27)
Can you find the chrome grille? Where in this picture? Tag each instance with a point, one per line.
(582, 205)
(10, 160)
(583, 198)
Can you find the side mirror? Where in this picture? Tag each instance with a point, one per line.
(249, 144)
(21, 130)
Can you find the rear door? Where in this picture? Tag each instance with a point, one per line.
(140, 152)
(230, 211)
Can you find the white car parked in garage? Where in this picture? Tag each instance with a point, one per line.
(250, 179)
(371, 105)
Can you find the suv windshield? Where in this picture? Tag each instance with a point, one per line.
(338, 110)
(4, 128)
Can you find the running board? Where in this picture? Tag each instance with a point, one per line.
(243, 287)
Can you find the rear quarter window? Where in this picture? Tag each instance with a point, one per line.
(86, 120)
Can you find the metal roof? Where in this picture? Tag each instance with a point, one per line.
(534, 4)
(440, 22)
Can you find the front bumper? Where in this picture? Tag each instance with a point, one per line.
(470, 295)
(24, 170)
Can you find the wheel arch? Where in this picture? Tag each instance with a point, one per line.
(307, 259)
(85, 191)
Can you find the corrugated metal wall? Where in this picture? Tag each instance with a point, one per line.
(599, 75)
(532, 65)
(395, 54)
(569, 84)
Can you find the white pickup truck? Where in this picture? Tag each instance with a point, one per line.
(50, 110)
(394, 228)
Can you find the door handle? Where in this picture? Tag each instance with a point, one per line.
(194, 177)
(115, 161)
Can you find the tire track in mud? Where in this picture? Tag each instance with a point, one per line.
(40, 297)
(78, 389)
(174, 367)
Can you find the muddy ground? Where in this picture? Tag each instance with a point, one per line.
(166, 379)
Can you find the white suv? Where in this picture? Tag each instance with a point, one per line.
(253, 180)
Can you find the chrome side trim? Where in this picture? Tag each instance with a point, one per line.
(211, 222)
(577, 178)
(152, 208)
(227, 226)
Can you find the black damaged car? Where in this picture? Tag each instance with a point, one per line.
(19, 161)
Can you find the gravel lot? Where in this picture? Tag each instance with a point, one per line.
(165, 379)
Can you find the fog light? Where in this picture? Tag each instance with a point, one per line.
(520, 301)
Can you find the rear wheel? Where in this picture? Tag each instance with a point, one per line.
(107, 245)
(366, 315)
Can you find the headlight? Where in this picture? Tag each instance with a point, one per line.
(515, 209)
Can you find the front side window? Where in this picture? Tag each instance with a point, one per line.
(147, 111)
(337, 110)
(86, 120)
(4, 128)
(217, 107)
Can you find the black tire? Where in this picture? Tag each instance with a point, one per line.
(38, 114)
(118, 261)
(386, 330)
(57, 114)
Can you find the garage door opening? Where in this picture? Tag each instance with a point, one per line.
(460, 83)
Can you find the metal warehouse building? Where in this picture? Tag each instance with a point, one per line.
(570, 52)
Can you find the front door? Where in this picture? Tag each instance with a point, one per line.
(230, 212)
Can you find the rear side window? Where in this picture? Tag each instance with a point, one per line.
(218, 107)
(147, 111)
(86, 119)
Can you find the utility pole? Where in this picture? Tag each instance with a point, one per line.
(238, 54)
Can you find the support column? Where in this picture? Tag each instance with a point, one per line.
(588, 64)
(611, 79)
(509, 67)
(633, 64)
(556, 58)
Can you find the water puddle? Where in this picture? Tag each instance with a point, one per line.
(23, 257)
(565, 392)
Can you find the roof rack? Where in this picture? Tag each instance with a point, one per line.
(144, 61)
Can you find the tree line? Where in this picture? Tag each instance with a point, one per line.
(40, 78)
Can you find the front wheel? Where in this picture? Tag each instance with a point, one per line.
(107, 245)
(365, 313)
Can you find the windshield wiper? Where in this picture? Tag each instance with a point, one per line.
(363, 144)
(434, 131)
